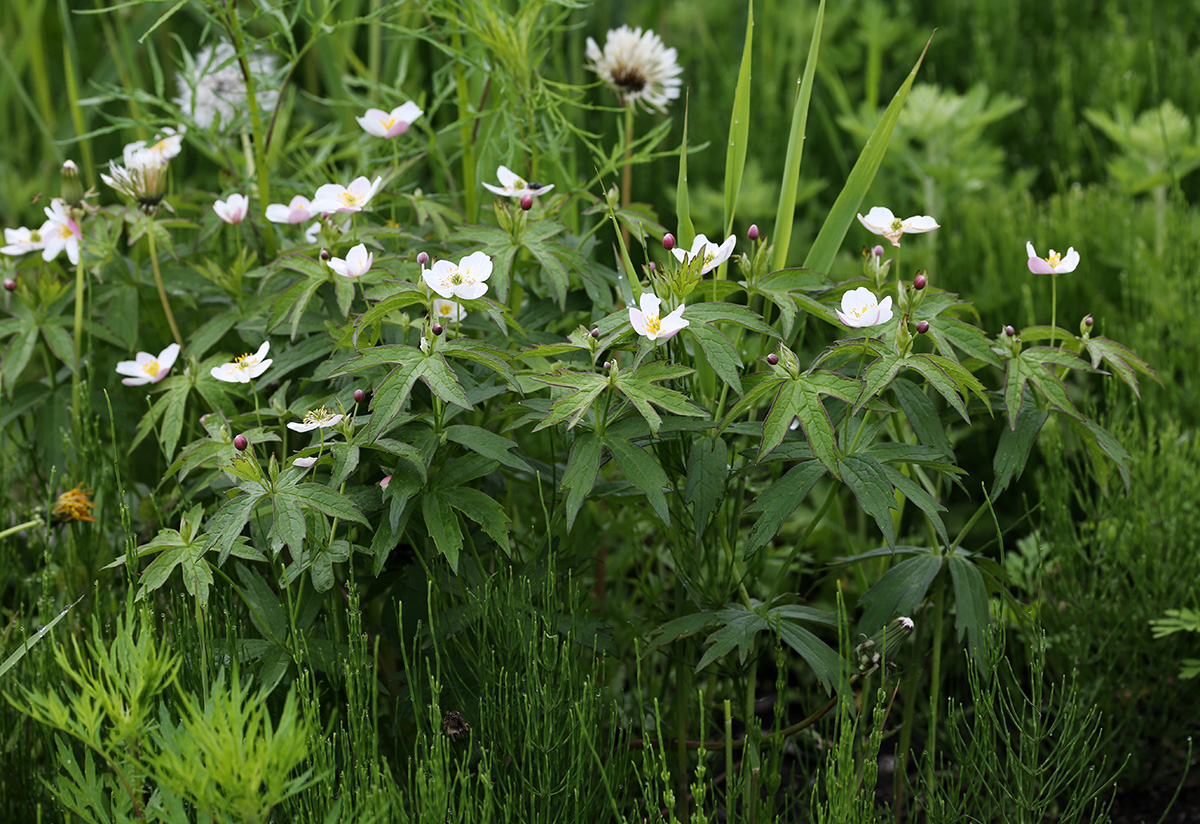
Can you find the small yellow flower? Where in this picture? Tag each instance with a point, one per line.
(74, 505)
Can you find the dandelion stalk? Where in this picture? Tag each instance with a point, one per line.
(13, 530)
(158, 281)
(627, 171)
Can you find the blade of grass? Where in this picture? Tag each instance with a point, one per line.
(833, 232)
(786, 212)
(71, 75)
(683, 210)
(739, 126)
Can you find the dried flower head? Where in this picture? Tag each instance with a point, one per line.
(637, 66)
(212, 88)
(74, 505)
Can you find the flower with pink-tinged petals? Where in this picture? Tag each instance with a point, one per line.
(298, 211)
(357, 263)
(21, 241)
(60, 232)
(333, 197)
(860, 309)
(389, 124)
(647, 322)
(881, 221)
(145, 368)
(234, 210)
(1054, 263)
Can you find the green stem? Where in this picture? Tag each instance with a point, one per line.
(203, 646)
(256, 126)
(627, 170)
(13, 530)
(800, 544)
(1053, 307)
(80, 287)
(935, 679)
(158, 281)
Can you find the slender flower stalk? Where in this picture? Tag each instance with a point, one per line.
(158, 281)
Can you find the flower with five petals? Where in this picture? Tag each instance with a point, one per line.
(860, 309)
(333, 197)
(465, 280)
(647, 322)
(245, 368)
(389, 124)
(881, 221)
(145, 368)
(59, 232)
(1054, 263)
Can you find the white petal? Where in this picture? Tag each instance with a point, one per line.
(1029, 250)
(920, 223)
(166, 358)
(650, 303)
(878, 219)
(1069, 262)
(638, 320)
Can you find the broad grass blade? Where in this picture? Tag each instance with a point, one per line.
(739, 126)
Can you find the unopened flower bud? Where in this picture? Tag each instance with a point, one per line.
(325, 254)
(753, 233)
(1089, 321)
(1008, 330)
(437, 329)
(922, 327)
(596, 332)
(359, 396)
(422, 258)
(877, 251)
(72, 189)
(919, 282)
(668, 241)
(527, 202)
(240, 443)
(10, 285)
(653, 268)
(772, 359)
(608, 364)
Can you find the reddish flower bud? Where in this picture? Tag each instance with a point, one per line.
(10, 284)
(922, 327)
(1089, 320)
(1008, 330)
(325, 254)
(437, 329)
(608, 364)
(919, 282)
(240, 443)
(422, 258)
(753, 233)
(527, 202)
(772, 359)
(877, 251)
(359, 396)
(596, 332)
(668, 241)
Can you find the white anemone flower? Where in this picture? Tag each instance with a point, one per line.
(319, 418)
(712, 254)
(212, 89)
(145, 368)
(245, 368)
(1054, 263)
(465, 280)
(637, 66)
(167, 145)
(389, 124)
(860, 309)
(881, 221)
(333, 197)
(298, 211)
(233, 210)
(448, 310)
(60, 232)
(512, 185)
(23, 240)
(646, 320)
(357, 263)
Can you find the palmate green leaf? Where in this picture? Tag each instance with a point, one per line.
(917, 495)
(1012, 452)
(288, 524)
(227, 523)
(641, 387)
(739, 125)
(174, 405)
(442, 381)
(322, 561)
(488, 444)
(946, 386)
(1123, 361)
(1101, 444)
(326, 501)
(643, 471)
(765, 387)
(483, 510)
(677, 628)
(583, 465)
(60, 342)
(738, 628)
(899, 592)
(951, 333)
(779, 501)
(442, 525)
(497, 360)
(971, 607)
(407, 295)
(16, 357)
(711, 312)
(720, 353)
(824, 661)
(786, 287)
(786, 210)
(585, 386)
(922, 415)
(292, 303)
(556, 273)
(705, 484)
(1023, 370)
(800, 398)
(867, 479)
(829, 240)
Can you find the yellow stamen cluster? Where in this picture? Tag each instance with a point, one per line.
(318, 416)
(653, 324)
(74, 505)
(151, 368)
(246, 361)
(1054, 259)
